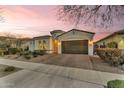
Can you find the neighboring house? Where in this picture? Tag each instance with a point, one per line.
(24, 43)
(115, 40)
(41, 43)
(72, 42)
(8, 42)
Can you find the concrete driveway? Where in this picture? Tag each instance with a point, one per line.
(70, 60)
(42, 75)
(78, 61)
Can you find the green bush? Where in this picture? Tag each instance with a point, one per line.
(21, 53)
(115, 84)
(9, 68)
(26, 53)
(6, 52)
(27, 56)
(39, 52)
(34, 54)
(13, 50)
(20, 50)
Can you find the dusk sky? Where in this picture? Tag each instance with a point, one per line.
(31, 21)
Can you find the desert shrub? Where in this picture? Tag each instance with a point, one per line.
(115, 84)
(34, 54)
(20, 50)
(13, 50)
(111, 55)
(26, 49)
(26, 53)
(21, 53)
(9, 68)
(39, 52)
(27, 56)
(2, 52)
(6, 52)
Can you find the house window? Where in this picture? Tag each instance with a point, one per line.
(44, 44)
(39, 44)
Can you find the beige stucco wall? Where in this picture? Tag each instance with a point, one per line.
(115, 38)
(31, 46)
(121, 39)
(25, 44)
(76, 35)
(48, 44)
(51, 45)
(60, 47)
(90, 47)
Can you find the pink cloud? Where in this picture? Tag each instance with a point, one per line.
(39, 20)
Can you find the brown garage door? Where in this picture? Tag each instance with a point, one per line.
(75, 47)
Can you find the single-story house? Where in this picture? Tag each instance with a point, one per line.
(23, 43)
(41, 43)
(115, 40)
(76, 42)
(71, 42)
(8, 41)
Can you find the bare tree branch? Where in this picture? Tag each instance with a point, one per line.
(97, 15)
(1, 17)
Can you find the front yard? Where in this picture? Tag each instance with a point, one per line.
(67, 68)
(72, 60)
(100, 65)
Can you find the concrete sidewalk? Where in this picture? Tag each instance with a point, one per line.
(42, 75)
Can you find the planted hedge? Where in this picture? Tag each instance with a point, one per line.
(115, 84)
(111, 55)
(27, 54)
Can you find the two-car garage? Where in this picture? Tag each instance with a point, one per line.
(75, 47)
(75, 42)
